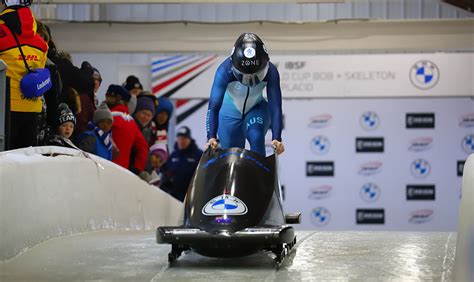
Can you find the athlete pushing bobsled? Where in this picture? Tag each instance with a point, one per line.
(237, 109)
(248, 217)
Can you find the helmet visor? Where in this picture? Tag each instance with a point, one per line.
(250, 79)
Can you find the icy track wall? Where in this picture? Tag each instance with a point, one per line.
(44, 197)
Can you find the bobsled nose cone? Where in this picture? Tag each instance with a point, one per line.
(223, 233)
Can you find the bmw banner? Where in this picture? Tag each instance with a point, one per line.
(373, 142)
(316, 76)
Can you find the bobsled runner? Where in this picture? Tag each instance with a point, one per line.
(233, 208)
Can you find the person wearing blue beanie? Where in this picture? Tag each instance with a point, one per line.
(163, 113)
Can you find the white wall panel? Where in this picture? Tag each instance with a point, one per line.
(326, 12)
(378, 10)
(361, 10)
(227, 12)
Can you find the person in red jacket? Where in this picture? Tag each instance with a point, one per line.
(125, 132)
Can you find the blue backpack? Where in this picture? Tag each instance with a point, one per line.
(37, 81)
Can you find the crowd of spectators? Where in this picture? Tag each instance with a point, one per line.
(129, 128)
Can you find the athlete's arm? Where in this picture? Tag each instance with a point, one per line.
(221, 79)
(274, 101)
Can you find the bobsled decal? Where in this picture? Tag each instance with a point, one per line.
(225, 205)
(248, 157)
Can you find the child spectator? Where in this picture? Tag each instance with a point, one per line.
(98, 139)
(125, 132)
(67, 121)
(158, 157)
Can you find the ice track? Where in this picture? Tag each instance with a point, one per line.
(130, 255)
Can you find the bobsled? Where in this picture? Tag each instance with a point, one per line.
(233, 208)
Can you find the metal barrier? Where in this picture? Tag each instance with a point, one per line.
(3, 106)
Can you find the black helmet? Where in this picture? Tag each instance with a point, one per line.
(249, 59)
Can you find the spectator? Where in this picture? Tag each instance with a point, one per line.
(84, 84)
(68, 72)
(132, 104)
(145, 110)
(158, 157)
(179, 170)
(97, 83)
(161, 120)
(98, 139)
(133, 85)
(125, 132)
(48, 117)
(67, 121)
(17, 20)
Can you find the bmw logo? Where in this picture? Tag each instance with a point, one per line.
(420, 168)
(320, 145)
(424, 74)
(370, 192)
(369, 120)
(468, 143)
(320, 216)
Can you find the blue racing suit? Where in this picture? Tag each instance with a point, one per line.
(238, 112)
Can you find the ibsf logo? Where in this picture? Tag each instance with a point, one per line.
(369, 120)
(320, 216)
(466, 120)
(320, 121)
(370, 168)
(424, 74)
(421, 216)
(420, 168)
(320, 145)
(370, 192)
(320, 192)
(468, 143)
(296, 65)
(420, 144)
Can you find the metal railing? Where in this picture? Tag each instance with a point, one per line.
(3, 106)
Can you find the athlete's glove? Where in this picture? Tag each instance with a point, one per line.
(278, 146)
(212, 142)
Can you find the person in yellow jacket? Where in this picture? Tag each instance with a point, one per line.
(17, 17)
